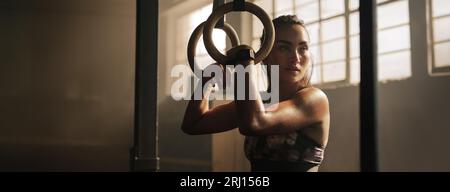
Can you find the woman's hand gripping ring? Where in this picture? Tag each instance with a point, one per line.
(266, 47)
(192, 45)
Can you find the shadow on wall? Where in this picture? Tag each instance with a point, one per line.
(66, 84)
(177, 150)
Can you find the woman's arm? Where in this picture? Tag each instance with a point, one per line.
(309, 107)
(200, 119)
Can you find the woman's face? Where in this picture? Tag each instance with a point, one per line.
(291, 52)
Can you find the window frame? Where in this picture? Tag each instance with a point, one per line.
(433, 70)
(180, 58)
(321, 42)
(348, 11)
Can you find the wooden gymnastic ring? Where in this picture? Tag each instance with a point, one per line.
(269, 30)
(192, 45)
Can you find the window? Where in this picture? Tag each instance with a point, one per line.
(333, 26)
(394, 42)
(439, 40)
(186, 25)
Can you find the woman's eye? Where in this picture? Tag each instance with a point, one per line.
(284, 48)
(303, 49)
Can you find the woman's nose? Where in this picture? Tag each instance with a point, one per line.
(296, 56)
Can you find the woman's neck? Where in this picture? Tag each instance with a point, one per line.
(287, 91)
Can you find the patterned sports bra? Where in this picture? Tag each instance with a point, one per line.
(292, 147)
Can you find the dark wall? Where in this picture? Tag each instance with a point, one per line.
(177, 150)
(414, 123)
(66, 84)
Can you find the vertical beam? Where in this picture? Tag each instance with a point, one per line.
(144, 154)
(368, 86)
(418, 16)
(238, 5)
(217, 4)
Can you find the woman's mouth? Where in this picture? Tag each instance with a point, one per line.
(293, 69)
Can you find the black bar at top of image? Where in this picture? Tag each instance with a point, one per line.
(368, 86)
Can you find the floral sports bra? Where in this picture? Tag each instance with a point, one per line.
(292, 147)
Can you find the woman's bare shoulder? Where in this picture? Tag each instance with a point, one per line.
(311, 95)
(313, 102)
(315, 105)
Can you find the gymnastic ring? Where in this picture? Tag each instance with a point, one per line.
(266, 47)
(192, 45)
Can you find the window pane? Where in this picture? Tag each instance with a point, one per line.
(442, 54)
(257, 27)
(334, 71)
(283, 5)
(200, 49)
(200, 13)
(393, 14)
(219, 41)
(394, 39)
(219, 37)
(394, 66)
(285, 12)
(354, 4)
(313, 33)
(381, 1)
(354, 47)
(441, 29)
(333, 29)
(256, 44)
(391, 66)
(354, 23)
(334, 51)
(308, 12)
(316, 77)
(304, 2)
(332, 7)
(266, 5)
(355, 74)
(441, 7)
(315, 54)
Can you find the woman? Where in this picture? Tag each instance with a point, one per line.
(289, 137)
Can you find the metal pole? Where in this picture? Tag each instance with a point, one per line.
(216, 4)
(368, 86)
(144, 154)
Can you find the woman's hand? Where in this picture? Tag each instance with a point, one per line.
(241, 55)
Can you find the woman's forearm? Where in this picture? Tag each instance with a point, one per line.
(196, 109)
(251, 110)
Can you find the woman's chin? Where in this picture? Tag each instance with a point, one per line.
(290, 76)
(290, 80)
(293, 72)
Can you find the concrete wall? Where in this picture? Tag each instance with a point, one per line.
(177, 150)
(66, 84)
